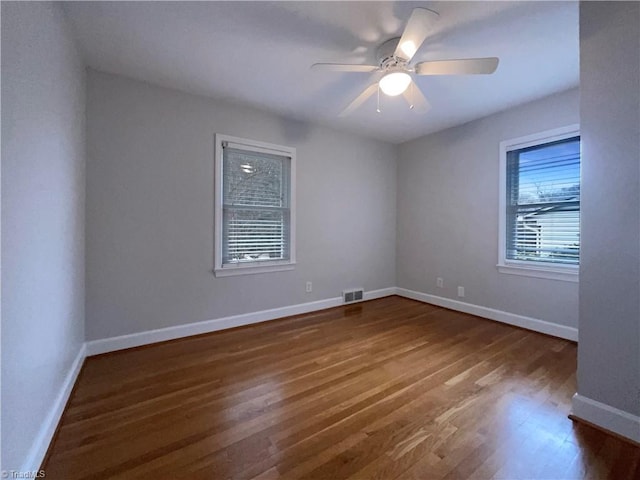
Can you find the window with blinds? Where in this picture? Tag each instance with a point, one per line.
(254, 209)
(543, 203)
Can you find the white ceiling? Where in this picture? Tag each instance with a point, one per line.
(259, 53)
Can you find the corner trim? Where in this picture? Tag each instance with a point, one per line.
(607, 417)
(541, 326)
(97, 347)
(44, 437)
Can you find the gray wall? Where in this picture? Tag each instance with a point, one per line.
(43, 94)
(448, 214)
(150, 210)
(609, 348)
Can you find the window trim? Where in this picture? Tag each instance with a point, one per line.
(567, 273)
(226, 270)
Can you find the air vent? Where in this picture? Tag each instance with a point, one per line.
(351, 296)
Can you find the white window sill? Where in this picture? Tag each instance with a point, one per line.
(566, 274)
(231, 270)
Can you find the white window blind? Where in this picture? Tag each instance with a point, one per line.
(543, 203)
(256, 213)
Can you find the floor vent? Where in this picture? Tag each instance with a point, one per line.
(351, 296)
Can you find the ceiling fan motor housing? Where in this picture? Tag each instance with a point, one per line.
(385, 54)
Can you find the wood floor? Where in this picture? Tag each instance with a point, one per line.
(386, 389)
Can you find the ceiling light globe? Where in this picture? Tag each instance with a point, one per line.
(395, 83)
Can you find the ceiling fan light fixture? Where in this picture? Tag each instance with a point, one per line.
(395, 83)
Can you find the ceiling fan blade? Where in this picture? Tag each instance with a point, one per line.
(360, 99)
(415, 98)
(417, 29)
(343, 67)
(467, 66)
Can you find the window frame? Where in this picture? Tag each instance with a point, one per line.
(529, 268)
(224, 270)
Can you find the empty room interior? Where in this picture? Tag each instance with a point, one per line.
(320, 240)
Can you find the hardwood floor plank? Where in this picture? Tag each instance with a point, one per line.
(386, 389)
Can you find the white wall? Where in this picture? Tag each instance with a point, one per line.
(150, 210)
(43, 95)
(448, 214)
(609, 348)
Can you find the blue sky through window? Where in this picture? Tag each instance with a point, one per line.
(550, 173)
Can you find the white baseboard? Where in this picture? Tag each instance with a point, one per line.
(608, 417)
(598, 413)
(45, 435)
(96, 347)
(529, 323)
(590, 410)
(383, 292)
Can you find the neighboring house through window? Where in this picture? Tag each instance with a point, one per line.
(540, 205)
(254, 206)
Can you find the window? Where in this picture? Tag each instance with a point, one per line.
(540, 205)
(254, 207)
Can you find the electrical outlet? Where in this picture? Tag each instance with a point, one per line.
(440, 282)
(309, 287)
(461, 291)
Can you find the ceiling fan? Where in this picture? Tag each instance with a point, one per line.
(394, 58)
